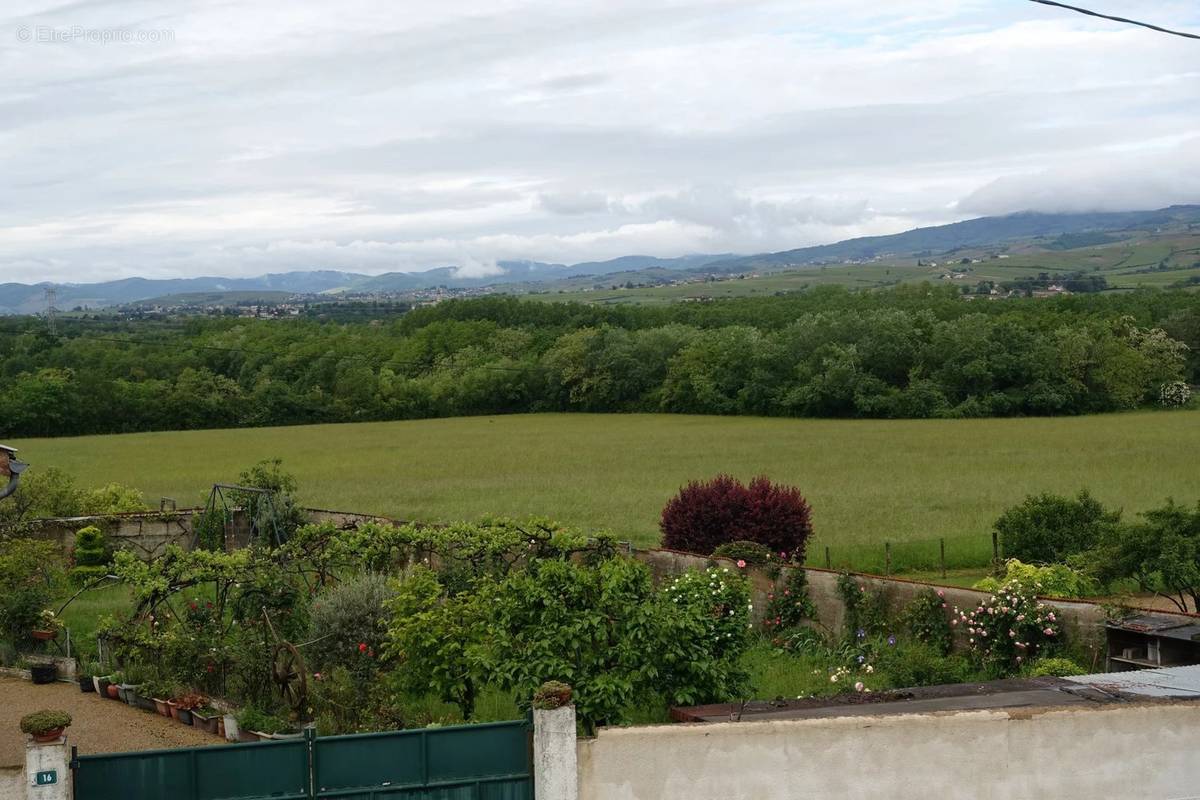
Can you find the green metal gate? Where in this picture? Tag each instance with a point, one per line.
(465, 762)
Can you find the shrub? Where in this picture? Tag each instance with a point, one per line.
(30, 577)
(788, 606)
(1009, 628)
(1056, 580)
(42, 722)
(551, 695)
(706, 514)
(866, 609)
(1047, 528)
(111, 499)
(926, 618)
(1053, 667)
(91, 555)
(753, 553)
(919, 664)
(346, 616)
(252, 719)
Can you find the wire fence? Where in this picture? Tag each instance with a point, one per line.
(887, 557)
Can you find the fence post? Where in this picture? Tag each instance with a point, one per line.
(828, 560)
(995, 548)
(50, 764)
(555, 768)
(887, 558)
(943, 541)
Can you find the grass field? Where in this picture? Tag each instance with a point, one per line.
(869, 481)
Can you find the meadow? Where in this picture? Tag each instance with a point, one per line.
(907, 482)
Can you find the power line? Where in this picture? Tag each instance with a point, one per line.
(1116, 19)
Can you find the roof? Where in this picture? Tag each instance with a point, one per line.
(1176, 682)
(1170, 627)
(7, 449)
(1171, 683)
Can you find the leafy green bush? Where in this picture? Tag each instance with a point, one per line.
(253, 719)
(867, 613)
(1161, 553)
(928, 620)
(1054, 580)
(347, 616)
(749, 554)
(918, 664)
(31, 575)
(1047, 528)
(1053, 667)
(91, 555)
(788, 606)
(112, 498)
(1010, 628)
(42, 722)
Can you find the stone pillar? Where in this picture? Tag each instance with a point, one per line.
(50, 764)
(555, 771)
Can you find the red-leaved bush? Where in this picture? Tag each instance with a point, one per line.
(707, 514)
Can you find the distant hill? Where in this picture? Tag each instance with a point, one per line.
(1046, 231)
(981, 232)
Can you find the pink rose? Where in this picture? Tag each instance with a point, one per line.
(741, 564)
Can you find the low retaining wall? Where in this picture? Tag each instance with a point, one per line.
(146, 534)
(1066, 754)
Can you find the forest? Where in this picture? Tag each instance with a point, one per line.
(909, 352)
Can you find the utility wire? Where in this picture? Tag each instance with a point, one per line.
(1116, 19)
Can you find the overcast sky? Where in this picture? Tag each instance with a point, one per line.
(165, 138)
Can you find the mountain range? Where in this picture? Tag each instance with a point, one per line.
(1050, 231)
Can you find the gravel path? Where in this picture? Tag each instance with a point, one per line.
(98, 726)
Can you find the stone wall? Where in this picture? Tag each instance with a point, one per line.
(146, 534)
(1076, 753)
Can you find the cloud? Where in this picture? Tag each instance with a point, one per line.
(269, 135)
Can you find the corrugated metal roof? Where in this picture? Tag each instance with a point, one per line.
(9, 449)
(1183, 682)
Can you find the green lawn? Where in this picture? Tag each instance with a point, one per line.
(869, 481)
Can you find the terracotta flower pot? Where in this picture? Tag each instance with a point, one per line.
(113, 691)
(44, 636)
(221, 726)
(48, 736)
(162, 707)
(174, 709)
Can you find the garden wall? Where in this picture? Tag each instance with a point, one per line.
(146, 534)
(1079, 753)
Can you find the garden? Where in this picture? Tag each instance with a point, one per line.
(380, 627)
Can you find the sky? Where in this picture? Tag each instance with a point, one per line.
(170, 138)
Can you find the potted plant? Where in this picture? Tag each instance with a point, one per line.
(159, 691)
(134, 676)
(43, 671)
(185, 703)
(102, 684)
(48, 626)
(204, 716)
(87, 677)
(146, 693)
(115, 681)
(254, 725)
(45, 726)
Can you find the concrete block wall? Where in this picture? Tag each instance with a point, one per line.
(1076, 753)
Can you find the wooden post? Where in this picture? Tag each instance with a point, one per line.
(943, 542)
(887, 558)
(828, 560)
(995, 548)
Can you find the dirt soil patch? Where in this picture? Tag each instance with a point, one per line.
(98, 726)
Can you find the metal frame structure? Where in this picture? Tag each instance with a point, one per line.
(217, 495)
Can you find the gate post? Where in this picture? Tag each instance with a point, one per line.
(555, 772)
(47, 770)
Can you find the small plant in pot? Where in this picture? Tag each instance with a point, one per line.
(157, 692)
(102, 684)
(115, 681)
(45, 726)
(254, 725)
(185, 703)
(48, 626)
(134, 676)
(87, 676)
(204, 716)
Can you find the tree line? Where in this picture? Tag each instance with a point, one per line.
(915, 351)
